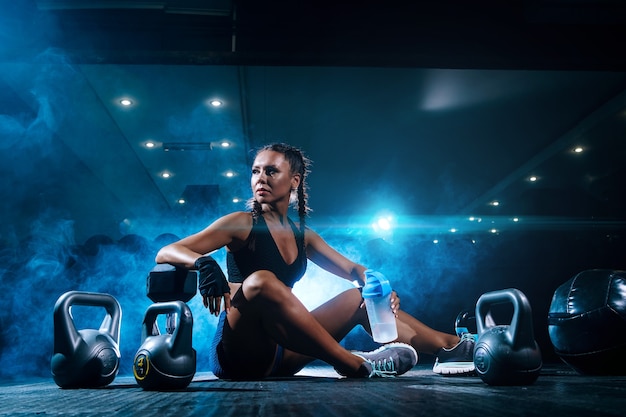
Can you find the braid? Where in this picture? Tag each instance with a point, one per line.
(303, 208)
(257, 210)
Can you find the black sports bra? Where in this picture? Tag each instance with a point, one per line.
(261, 253)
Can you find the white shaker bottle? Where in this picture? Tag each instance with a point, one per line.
(377, 296)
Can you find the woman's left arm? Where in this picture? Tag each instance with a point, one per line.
(326, 257)
(323, 255)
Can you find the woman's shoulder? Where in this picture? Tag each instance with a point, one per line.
(237, 225)
(237, 218)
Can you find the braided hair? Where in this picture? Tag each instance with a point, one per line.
(299, 164)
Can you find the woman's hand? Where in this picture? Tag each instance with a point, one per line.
(212, 284)
(214, 304)
(395, 302)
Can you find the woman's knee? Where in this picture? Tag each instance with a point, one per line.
(261, 283)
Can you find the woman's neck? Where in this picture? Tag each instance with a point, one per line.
(273, 215)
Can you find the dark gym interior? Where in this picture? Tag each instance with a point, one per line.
(458, 147)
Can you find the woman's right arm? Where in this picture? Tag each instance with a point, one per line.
(224, 231)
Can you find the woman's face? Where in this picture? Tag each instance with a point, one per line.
(272, 180)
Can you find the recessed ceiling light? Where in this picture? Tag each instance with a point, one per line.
(236, 200)
(150, 144)
(229, 174)
(224, 144)
(181, 201)
(578, 149)
(215, 103)
(126, 102)
(166, 174)
(533, 178)
(494, 203)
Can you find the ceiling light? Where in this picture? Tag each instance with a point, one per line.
(126, 102)
(150, 144)
(494, 203)
(215, 103)
(224, 144)
(533, 178)
(236, 200)
(229, 174)
(166, 174)
(181, 201)
(578, 149)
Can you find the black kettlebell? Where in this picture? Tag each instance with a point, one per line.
(506, 354)
(86, 358)
(166, 361)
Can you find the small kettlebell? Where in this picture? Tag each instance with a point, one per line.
(87, 358)
(166, 361)
(506, 354)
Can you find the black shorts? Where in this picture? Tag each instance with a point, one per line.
(229, 362)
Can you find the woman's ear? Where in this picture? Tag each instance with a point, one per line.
(295, 181)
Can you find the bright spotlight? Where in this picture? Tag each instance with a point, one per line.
(384, 223)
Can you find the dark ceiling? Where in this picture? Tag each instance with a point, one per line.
(431, 111)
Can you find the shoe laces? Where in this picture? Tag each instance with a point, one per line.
(384, 367)
(467, 337)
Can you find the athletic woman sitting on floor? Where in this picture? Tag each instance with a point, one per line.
(265, 330)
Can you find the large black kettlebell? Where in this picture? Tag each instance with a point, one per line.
(85, 358)
(166, 361)
(506, 354)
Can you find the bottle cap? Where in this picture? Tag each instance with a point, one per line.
(376, 285)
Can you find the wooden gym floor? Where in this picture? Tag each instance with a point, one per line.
(318, 391)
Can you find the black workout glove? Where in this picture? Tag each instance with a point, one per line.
(212, 282)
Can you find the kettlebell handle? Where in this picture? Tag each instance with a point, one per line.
(63, 318)
(520, 331)
(184, 326)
